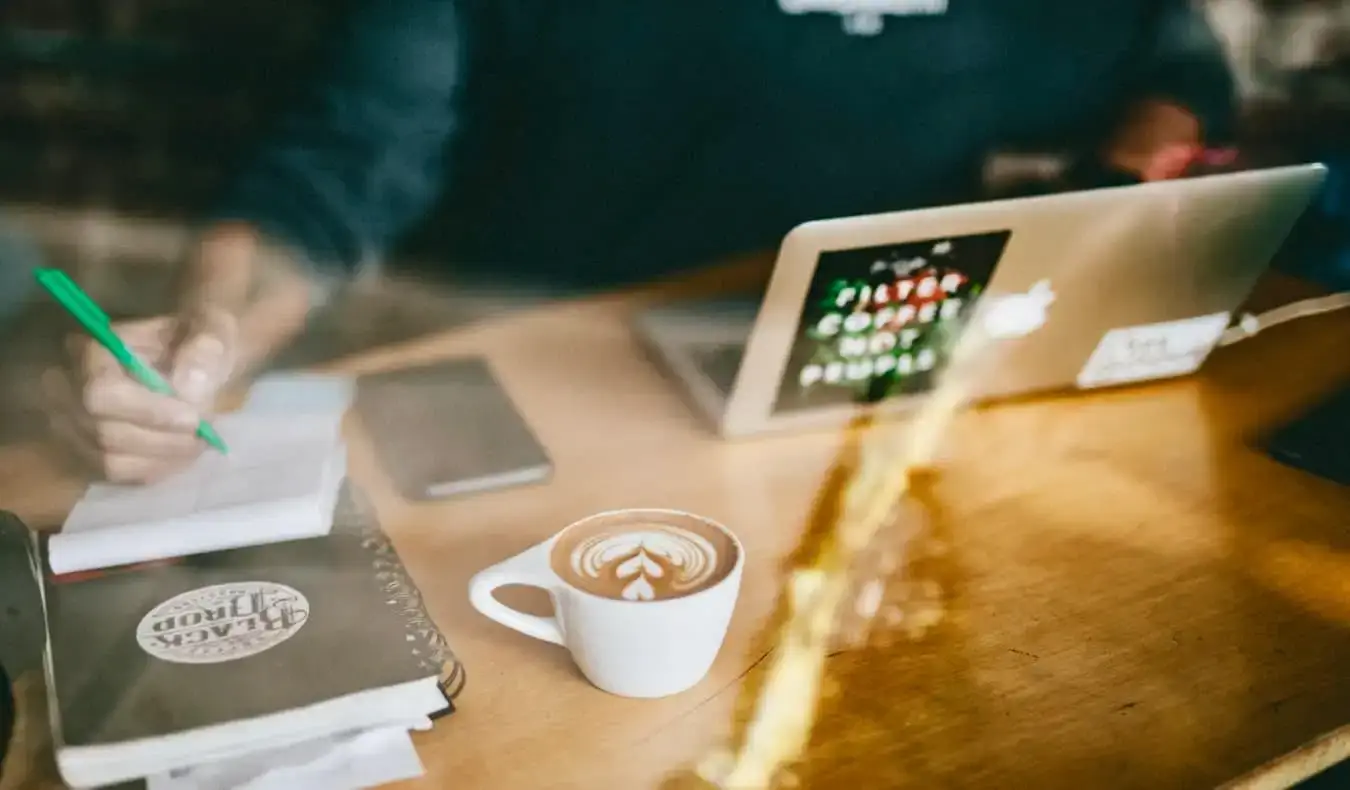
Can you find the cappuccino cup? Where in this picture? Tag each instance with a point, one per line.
(641, 598)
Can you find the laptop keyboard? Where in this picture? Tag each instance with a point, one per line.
(719, 363)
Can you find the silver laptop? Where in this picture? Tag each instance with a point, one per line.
(860, 312)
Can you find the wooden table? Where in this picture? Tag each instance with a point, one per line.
(1134, 597)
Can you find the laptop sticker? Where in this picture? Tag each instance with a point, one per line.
(881, 321)
(1153, 351)
(1019, 314)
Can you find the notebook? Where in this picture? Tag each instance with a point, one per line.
(21, 628)
(212, 658)
(278, 482)
(299, 392)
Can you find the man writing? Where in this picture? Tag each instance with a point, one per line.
(621, 139)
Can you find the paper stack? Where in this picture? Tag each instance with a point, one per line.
(347, 761)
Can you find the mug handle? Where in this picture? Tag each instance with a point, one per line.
(531, 569)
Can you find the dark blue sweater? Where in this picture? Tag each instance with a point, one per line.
(614, 139)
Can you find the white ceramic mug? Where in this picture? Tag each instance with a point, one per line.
(637, 641)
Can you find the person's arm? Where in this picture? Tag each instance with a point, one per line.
(346, 173)
(1182, 91)
(343, 176)
(361, 160)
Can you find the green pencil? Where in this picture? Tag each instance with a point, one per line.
(95, 322)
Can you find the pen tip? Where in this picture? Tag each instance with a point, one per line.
(209, 435)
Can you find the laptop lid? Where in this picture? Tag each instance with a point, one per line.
(862, 307)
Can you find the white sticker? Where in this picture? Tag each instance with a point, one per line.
(1154, 351)
(224, 622)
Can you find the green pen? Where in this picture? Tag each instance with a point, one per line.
(95, 321)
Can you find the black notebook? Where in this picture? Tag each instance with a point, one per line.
(160, 667)
(22, 633)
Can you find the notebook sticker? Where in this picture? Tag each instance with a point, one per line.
(1154, 351)
(224, 622)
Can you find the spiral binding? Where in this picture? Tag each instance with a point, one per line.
(355, 515)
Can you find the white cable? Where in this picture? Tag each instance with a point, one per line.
(1250, 324)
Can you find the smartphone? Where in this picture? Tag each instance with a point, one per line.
(1318, 440)
(448, 429)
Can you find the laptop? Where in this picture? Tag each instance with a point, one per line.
(860, 312)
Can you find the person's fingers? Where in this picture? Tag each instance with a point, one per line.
(203, 362)
(117, 466)
(199, 369)
(1171, 162)
(113, 450)
(143, 335)
(117, 398)
(92, 361)
(125, 438)
(147, 339)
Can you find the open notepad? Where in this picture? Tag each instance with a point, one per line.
(279, 482)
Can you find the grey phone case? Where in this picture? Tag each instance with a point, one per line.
(448, 429)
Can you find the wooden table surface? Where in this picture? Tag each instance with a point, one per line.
(1133, 597)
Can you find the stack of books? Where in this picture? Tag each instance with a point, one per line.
(191, 661)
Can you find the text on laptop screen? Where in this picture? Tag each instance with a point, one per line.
(878, 321)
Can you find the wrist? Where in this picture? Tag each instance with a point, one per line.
(266, 289)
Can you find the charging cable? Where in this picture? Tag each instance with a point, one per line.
(1250, 324)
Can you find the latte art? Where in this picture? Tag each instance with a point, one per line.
(647, 563)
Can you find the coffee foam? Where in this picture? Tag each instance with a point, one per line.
(644, 560)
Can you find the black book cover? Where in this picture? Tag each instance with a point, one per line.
(155, 650)
(21, 627)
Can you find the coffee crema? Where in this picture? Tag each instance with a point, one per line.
(644, 560)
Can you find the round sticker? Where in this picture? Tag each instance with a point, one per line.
(224, 622)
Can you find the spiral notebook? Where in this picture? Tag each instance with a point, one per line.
(215, 657)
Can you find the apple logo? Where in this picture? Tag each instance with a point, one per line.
(1018, 315)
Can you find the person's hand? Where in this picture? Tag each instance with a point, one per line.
(238, 302)
(1158, 139)
(121, 430)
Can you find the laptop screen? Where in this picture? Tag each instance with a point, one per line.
(878, 321)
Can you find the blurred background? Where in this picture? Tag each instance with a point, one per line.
(142, 106)
(121, 119)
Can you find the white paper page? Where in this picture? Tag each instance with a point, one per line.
(348, 761)
(270, 459)
(299, 393)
